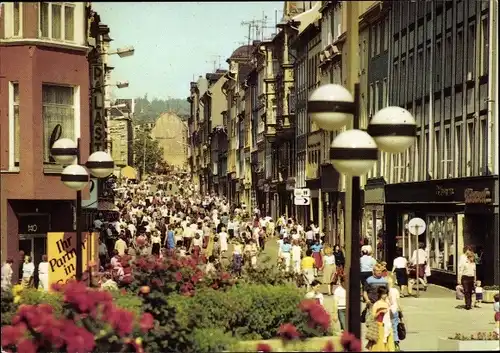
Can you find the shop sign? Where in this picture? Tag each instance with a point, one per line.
(34, 224)
(61, 253)
(472, 196)
(441, 191)
(97, 107)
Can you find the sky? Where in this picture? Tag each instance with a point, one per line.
(175, 42)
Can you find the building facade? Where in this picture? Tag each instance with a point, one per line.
(441, 60)
(44, 78)
(171, 132)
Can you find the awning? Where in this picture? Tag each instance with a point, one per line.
(107, 206)
(129, 172)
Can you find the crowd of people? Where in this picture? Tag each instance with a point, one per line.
(165, 216)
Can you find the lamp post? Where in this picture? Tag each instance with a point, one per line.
(75, 176)
(353, 153)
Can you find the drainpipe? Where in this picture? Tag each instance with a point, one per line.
(493, 166)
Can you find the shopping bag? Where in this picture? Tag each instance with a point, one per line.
(459, 292)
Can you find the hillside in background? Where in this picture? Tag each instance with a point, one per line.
(147, 111)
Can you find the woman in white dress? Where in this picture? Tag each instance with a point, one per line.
(43, 274)
(28, 271)
(223, 240)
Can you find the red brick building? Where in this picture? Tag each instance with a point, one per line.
(44, 95)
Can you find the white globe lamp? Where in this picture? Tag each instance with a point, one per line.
(64, 151)
(75, 177)
(353, 152)
(100, 164)
(393, 129)
(331, 106)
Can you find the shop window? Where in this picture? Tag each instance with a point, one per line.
(441, 238)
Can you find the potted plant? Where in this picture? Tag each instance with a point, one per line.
(489, 292)
(479, 341)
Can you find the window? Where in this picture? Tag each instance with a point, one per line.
(384, 94)
(419, 77)
(17, 19)
(448, 67)
(470, 148)
(428, 58)
(403, 83)
(380, 38)
(57, 21)
(471, 46)
(386, 33)
(447, 154)
(436, 172)
(437, 65)
(459, 56)
(58, 109)
(395, 80)
(416, 158)
(483, 145)
(441, 238)
(425, 157)
(374, 41)
(458, 151)
(484, 55)
(376, 102)
(372, 100)
(14, 131)
(410, 85)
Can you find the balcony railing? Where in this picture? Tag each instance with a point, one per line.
(312, 171)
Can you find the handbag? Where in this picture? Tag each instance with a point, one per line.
(362, 319)
(401, 331)
(372, 331)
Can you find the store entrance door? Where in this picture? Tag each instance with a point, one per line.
(34, 245)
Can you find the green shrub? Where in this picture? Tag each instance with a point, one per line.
(212, 340)
(8, 307)
(247, 311)
(129, 301)
(31, 296)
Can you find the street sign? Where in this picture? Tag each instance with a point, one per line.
(304, 192)
(416, 226)
(302, 201)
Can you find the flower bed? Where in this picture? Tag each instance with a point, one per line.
(489, 293)
(480, 341)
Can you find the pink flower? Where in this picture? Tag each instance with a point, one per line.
(288, 332)
(27, 346)
(147, 322)
(263, 347)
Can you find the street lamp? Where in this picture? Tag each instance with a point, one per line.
(121, 84)
(353, 153)
(122, 52)
(75, 176)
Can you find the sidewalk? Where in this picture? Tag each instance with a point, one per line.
(436, 313)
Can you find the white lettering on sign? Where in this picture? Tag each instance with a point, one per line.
(32, 228)
(97, 106)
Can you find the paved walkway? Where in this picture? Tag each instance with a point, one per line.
(436, 313)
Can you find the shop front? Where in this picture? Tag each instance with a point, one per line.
(373, 216)
(332, 204)
(457, 212)
(29, 221)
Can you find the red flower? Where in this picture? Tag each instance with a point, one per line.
(147, 322)
(306, 305)
(27, 346)
(225, 276)
(319, 316)
(263, 347)
(178, 276)
(350, 342)
(12, 334)
(329, 347)
(288, 332)
(123, 292)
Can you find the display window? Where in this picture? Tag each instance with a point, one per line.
(441, 238)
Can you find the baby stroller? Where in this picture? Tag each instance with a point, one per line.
(301, 280)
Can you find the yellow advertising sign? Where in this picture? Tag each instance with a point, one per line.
(61, 253)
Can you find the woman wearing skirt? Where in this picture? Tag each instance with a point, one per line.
(317, 250)
(400, 269)
(155, 244)
(329, 269)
